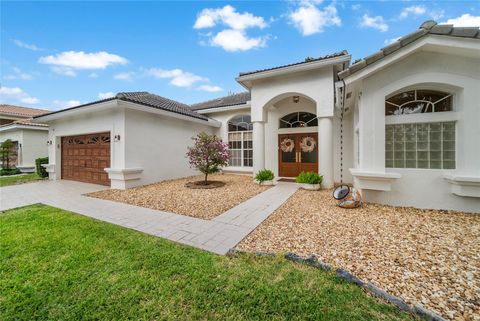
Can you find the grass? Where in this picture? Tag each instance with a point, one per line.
(13, 180)
(57, 265)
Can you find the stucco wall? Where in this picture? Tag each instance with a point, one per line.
(107, 121)
(34, 146)
(423, 188)
(158, 144)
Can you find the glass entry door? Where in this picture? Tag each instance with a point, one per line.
(297, 153)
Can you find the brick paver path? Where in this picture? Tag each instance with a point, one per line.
(217, 235)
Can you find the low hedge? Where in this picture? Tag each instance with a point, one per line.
(9, 171)
(41, 171)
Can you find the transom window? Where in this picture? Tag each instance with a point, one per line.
(420, 145)
(418, 101)
(240, 141)
(299, 119)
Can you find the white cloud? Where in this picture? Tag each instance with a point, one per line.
(412, 10)
(390, 41)
(17, 94)
(310, 19)
(356, 6)
(93, 75)
(178, 77)
(83, 60)
(106, 95)
(127, 76)
(210, 88)
(64, 71)
(61, 104)
(22, 44)
(234, 37)
(465, 20)
(228, 16)
(236, 40)
(376, 22)
(18, 74)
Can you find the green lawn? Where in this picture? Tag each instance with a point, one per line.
(58, 265)
(13, 180)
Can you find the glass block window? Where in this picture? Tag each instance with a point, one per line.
(417, 102)
(420, 145)
(240, 141)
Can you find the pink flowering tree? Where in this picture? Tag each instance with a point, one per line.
(208, 154)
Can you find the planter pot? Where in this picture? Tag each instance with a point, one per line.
(310, 187)
(266, 183)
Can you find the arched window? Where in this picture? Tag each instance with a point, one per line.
(418, 101)
(298, 119)
(240, 141)
(415, 143)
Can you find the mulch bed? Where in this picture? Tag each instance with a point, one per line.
(202, 185)
(174, 196)
(424, 256)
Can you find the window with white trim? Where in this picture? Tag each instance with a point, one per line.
(240, 141)
(417, 102)
(298, 119)
(417, 144)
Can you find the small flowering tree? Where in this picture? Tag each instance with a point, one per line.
(208, 154)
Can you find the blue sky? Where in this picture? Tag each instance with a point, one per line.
(59, 54)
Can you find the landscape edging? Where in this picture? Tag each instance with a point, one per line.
(312, 261)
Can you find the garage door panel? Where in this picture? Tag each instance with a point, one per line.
(85, 157)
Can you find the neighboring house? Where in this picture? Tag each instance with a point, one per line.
(29, 139)
(410, 132)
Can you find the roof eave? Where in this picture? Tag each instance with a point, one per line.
(246, 80)
(21, 126)
(74, 111)
(426, 40)
(223, 108)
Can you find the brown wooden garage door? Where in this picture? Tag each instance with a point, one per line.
(85, 157)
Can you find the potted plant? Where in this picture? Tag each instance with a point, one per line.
(265, 177)
(309, 180)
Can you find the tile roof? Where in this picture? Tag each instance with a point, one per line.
(146, 99)
(429, 27)
(306, 61)
(155, 101)
(21, 111)
(230, 100)
(24, 122)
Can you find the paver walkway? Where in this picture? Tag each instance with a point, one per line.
(217, 235)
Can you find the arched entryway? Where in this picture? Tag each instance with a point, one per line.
(297, 149)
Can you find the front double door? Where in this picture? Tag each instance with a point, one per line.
(297, 153)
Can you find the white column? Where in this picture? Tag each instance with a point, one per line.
(258, 146)
(325, 150)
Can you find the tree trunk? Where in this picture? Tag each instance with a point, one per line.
(206, 175)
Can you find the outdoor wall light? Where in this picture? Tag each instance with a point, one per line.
(116, 138)
(49, 142)
(296, 99)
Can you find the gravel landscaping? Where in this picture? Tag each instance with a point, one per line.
(173, 196)
(424, 256)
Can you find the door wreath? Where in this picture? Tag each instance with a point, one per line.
(307, 144)
(287, 145)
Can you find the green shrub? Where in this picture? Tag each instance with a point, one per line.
(9, 171)
(309, 178)
(40, 169)
(264, 175)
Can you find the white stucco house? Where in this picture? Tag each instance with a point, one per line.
(410, 125)
(29, 139)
